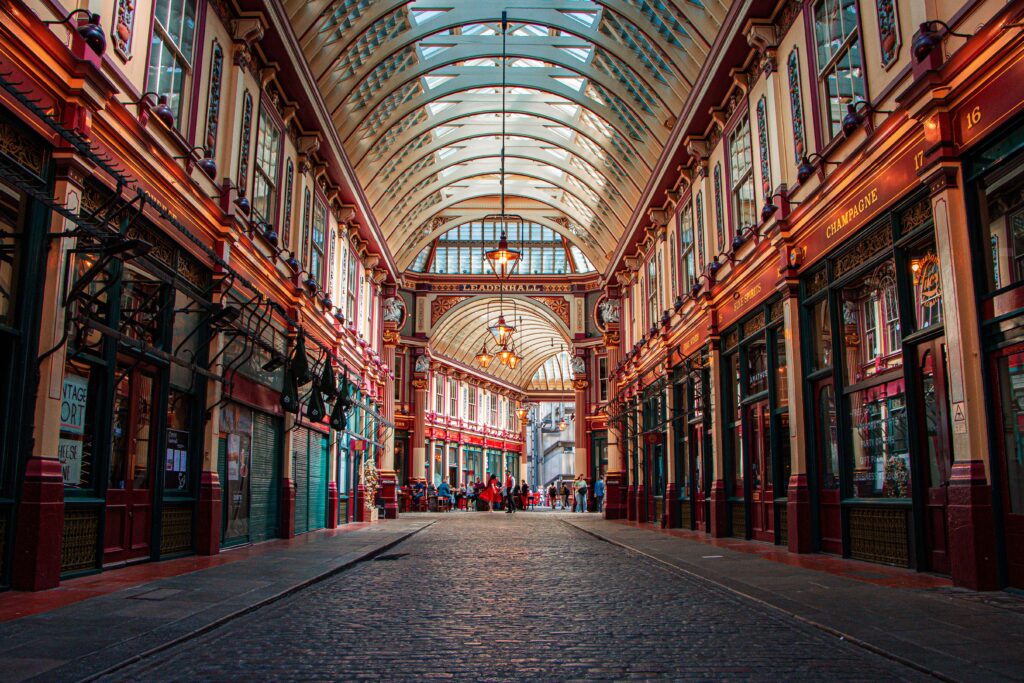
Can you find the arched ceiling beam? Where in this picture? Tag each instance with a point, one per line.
(542, 131)
(551, 50)
(547, 97)
(387, 196)
(411, 248)
(377, 148)
(544, 173)
(394, 33)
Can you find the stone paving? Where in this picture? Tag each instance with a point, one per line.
(498, 597)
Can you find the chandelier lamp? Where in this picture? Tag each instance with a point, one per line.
(503, 260)
(505, 355)
(502, 331)
(484, 358)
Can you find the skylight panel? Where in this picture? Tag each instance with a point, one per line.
(571, 82)
(581, 54)
(530, 30)
(585, 18)
(420, 16)
(432, 82)
(446, 152)
(571, 109)
(557, 152)
(431, 50)
(522, 61)
(437, 107)
(561, 131)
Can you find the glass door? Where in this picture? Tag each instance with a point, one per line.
(762, 509)
(936, 445)
(129, 509)
(1009, 376)
(830, 521)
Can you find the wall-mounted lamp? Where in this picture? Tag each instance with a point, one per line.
(928, 38)
(241, 201)
(808, 165)
(91, 31)
(770, 207)
(854, 119)
(205, 163)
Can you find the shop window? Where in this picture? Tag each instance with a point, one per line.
(781, 369)
(840, 73)
(871, 325)
(687, 256)
(171, 52)
(927, 281)
(673, 282)
(10, 222)
(471, 404)
(236, 431)
(735, 416)
(350, 302)
(76, 449)
(131, 429)
(493, 405)
(177, 442)
(757, 367)
(268, 151)
(821, 336)
(1010, 368)
(881, 462)
(741, 168)
(828, 437)
(141, 314)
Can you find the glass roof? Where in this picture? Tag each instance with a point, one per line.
(415, 93)
(460, 250)
(553, 375)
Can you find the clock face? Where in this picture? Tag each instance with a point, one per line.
(795, 256)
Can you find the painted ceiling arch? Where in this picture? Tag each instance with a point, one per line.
(461, 331)
(415, 92)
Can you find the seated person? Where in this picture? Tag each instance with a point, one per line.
(419, 489)
(443, 491)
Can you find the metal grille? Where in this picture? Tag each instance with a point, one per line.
(685, 516)
(879, 535)
(176, 530)
(783, 524)
(739, 519)
(81, 536)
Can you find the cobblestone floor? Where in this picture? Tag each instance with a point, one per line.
(492, 597)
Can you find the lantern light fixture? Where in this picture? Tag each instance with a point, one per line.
(484, 358)
(502, 331)
(91, 31)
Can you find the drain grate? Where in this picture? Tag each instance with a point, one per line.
(391, 557)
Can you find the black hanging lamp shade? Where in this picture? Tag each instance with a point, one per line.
(290, 392)
(92, 33)
(300, 364)
(327, 385)
(164, 112)
(315, 409)
(339, 416)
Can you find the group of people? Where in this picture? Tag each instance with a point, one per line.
(506, 494)
(558, 495)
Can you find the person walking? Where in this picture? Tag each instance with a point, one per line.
(599, 495)
(580, 484)
(552, 496)
(565, 496)
(524, 495)
(510, 493)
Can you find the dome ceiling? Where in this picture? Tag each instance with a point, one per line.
(592, 89)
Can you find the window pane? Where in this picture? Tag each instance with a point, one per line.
(871, 325)
(881, 462)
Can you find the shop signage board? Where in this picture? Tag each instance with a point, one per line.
(893, 177)
(753, 292)
(991, 106)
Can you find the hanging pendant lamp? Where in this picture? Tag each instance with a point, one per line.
(484, 358)
(502, 331)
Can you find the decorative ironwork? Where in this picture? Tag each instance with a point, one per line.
(719, 213)
(213, 96)
(867, 249)
(700, 231)
(176, 530)
(25, 150)
(817, 282)
(888, 31)
(558, 305)
(123, 28)
(796, 106)
(243, 159)
(776, 310)
(79, 540)
(286, 223)
(762, 141)
(731, 339)
(916, 216)
(879, 535)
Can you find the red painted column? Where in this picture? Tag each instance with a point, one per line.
(798, 515)
(332, 505)
(720, 523)
(287, 508)
(209, 522)
(391, 336)
(971, 526)
(40, 527)
(615, 478)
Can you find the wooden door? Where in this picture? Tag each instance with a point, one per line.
(698, 483)
(830, 522)
(1008, 369)
(937, 447)
(762, 508)
(129, 510)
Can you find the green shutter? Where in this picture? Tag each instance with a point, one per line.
(265, 481)
(317, 481)
(300, 477)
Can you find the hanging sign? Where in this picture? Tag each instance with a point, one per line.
(357, 445)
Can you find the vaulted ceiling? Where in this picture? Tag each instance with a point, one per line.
(592, 91)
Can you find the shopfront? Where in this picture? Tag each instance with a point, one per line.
(692, 444)
(757, 457)
(651, 493)
(995, 191)
(877, 401)
(473, 459)
(133, 386)
(23, 223)
(309, 477)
